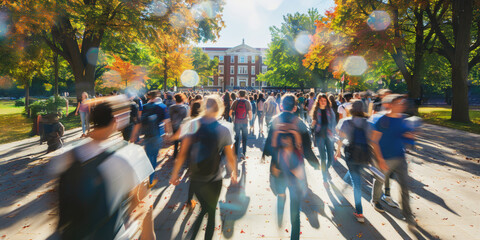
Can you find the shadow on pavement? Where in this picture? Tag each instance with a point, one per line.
(235, 205)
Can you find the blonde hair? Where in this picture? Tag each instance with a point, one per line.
(212, 105)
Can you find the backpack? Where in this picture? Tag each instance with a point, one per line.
(359, 150)
(152, 120)
(204, 153)
(241, 110)
(271, 108)
(287, 142)
(260, 105)
(84, 211)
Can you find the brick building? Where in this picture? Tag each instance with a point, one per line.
(238, 67)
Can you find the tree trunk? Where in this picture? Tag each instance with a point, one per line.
(27, 98)
(55, 62)
(462, 21)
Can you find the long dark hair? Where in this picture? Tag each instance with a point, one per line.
(316, 105)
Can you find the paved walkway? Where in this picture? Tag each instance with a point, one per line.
(444, 170)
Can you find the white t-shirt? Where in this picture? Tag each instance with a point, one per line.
(344, 109)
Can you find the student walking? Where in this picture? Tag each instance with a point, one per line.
(243, 113)
(388, 137)
(288, 143)
(323, 126)
(204, 147)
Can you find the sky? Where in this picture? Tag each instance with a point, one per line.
(251, 19)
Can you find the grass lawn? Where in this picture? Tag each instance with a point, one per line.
(14, 125)
(441, 116)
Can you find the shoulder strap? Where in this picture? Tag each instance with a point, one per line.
(97, 160)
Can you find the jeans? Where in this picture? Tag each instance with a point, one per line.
(207, 194)
(252, 122)
(295, 200)
(325, 148)
(260, 120)
(398, 166)
(85, 121)
(243, 129)
(356, 179)
(152, 146)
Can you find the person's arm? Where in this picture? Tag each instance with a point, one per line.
(338, 153)
(231, 162)
(175, 179)
(231, 108)
(250, 113)
(78, 107)
(135, 131)
(375, 138)
(168, 126)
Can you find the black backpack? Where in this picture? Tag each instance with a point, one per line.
(204, 153)
(84, 211)
(359, 150)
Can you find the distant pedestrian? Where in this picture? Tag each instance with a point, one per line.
(241, 112)
(84, 109)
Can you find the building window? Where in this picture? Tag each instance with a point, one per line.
(264, 84)
(253, 84)
(253, 59)
(220, 81)
(242, 59)
(232, 70)
(221, 59)
(242, 70)
(232, 59)
(252, 80)
(253, 70)
(232, 79)
(220, 69)
(264, 69)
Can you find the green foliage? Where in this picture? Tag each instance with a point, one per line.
(53, 104)
(284, 61)
(20, 102)
(203, 65)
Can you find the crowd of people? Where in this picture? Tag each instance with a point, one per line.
(208, 131)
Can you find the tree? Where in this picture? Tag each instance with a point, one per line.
(286, 51)
(452, 22)
(203, 65)
(124, 74)
(76, 29)
(363, 27)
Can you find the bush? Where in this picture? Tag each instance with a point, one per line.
(20, 102)
(49, 106)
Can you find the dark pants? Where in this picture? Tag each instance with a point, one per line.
(207, 194)
(175, 148)
(241, 128)
(356, 179)
(399, 167)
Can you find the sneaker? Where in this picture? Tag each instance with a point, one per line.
(378, 207)
(360, 218)
(389, 201)
(191, 205)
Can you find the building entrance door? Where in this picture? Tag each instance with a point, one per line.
(242, 82)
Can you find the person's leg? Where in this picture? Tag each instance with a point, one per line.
(323, 156)
(355, 177)
(295, 196)
(401, 171)
(236, 128)
(152, 146)
(329, 146)
(87, 121)
(244, 130)
(82, 119)
(207, 194)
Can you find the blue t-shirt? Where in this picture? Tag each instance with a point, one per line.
(392, 140)
(153, 115)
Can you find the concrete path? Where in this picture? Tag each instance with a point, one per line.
(445, 178)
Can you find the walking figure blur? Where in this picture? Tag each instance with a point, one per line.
(288, 143)
(204, 148)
